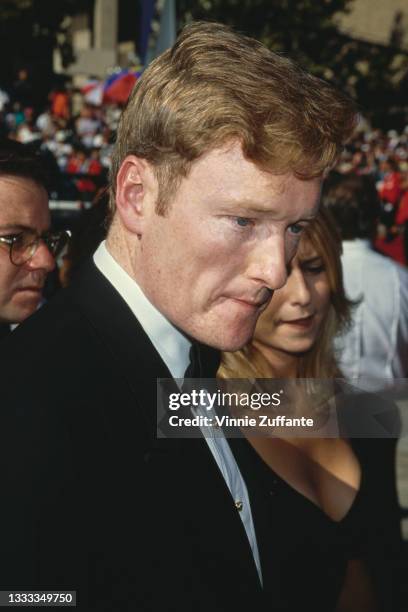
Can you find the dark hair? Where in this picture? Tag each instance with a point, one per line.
(353, 202)
(20, 160)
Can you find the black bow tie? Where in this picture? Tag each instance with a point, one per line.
(204, 361)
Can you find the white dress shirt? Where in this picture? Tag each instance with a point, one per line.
(173, 347)
(376, 346)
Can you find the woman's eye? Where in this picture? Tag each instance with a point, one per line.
(315, 269)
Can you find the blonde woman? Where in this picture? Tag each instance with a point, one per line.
(334, 498)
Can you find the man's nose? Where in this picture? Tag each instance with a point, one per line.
(268, 263)
(42, 259)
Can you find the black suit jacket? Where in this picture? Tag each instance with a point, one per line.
(91, 500)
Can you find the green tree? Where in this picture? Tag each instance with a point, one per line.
(302, 28)
(308, 32)
(31, 29)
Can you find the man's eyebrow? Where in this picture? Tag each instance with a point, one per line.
(15, 227)
(312, 215)
(245, 209)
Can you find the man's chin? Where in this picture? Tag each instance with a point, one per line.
(24, 310)
(228, 342)
(231, 347)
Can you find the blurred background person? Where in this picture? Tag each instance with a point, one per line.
(60, 103)
(401, 219)
(334, 510)
(27, 247)
(22, 90)
(374, 350)
(389, 190)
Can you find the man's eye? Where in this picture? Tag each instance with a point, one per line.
(296, 229)
(12, 237)
(242, 221)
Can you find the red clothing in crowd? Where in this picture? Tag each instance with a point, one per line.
(94, 167)
(390, 190)
(402, 213)
(60, 104)
(394, 248)
(79, 165)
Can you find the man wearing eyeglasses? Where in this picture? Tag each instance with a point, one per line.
(27, 248)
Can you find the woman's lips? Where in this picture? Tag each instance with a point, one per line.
(303, 323)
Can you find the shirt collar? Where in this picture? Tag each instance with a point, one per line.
(172, 346)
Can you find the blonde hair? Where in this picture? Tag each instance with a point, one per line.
(214, 86)
(319, 361)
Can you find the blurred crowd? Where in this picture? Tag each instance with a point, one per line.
(75, 137)
(384, 157)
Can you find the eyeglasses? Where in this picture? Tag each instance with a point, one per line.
(22, 246)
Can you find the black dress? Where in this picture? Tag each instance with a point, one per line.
(305, 567)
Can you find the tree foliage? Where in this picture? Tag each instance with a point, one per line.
(31, 29)
(299, 27)
(308, 31)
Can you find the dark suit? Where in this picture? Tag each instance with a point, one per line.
(5, 330)
(91, 500)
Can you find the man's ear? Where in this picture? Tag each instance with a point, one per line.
(135, 192)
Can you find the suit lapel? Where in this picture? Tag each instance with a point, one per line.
(202, 491)
(128, 344)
